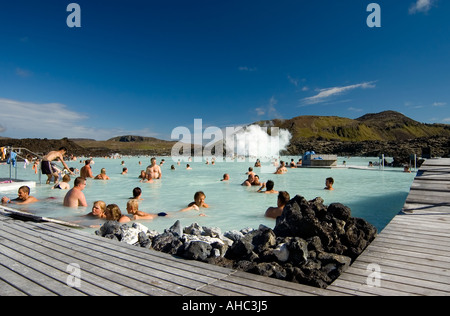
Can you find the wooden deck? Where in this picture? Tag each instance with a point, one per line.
(411, 256)
(412, 253)
(34, 260)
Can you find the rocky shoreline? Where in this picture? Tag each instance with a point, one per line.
(310, 244)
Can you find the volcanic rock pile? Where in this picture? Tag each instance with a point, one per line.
(311, 243)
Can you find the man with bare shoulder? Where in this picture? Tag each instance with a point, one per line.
(75, 197)
(46, 165)
(86, 171)
(24, 197)
(154, 170)
(283, 199)
(282, 168)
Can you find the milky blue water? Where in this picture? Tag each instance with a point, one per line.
(374, 195)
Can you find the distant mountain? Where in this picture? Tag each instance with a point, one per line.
(128, 145)
(137, 139)
(384, 126)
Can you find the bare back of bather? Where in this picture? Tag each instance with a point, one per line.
(75, 197)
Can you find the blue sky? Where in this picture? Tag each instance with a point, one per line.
(144, 67)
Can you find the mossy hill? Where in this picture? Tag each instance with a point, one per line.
(384, 126)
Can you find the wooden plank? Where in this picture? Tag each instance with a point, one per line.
(401, 241)
(106, 269)
(186, 266)
(272, 287)
(242, 289)
(271, 282)
(349, 288)
(267, 287)
(41, 284)
(8, 290)
(433, 273)
(360, 287)
(9, 275)
(411, 234)
(389, 287)
(406, 284)
(157, 263)
(55, 280)
(127, 249)
(92, 284)
(406, 271)
(123, 272)
(413, 250)
(299, 288)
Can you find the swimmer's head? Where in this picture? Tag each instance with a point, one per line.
(199, 198)
(98, 208)
(113, 212)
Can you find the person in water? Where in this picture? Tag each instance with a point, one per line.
(283, 199)
(75, 197)
(133, 209)
(64, 185)
(329, 184)
(46, 164)
(269, 188)
(199, 202)
(282, 168)
(154, 170)
(113, 213)
(102, 175)
(98, 210)
(23, 198)
(86, 171)
(137, 194)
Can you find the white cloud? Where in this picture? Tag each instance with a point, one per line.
(269, 109)
(421, 6)
(52, 120)
(325, 94)
(439, 104)
(292, 80)
(249, 69)
(446, 120)
(23, 73)
(352, 109)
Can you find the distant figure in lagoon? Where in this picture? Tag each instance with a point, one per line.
(154, 170)
(86, 171)
(102, 175)
(329, 184)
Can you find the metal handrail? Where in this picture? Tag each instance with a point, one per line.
(11, 149)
